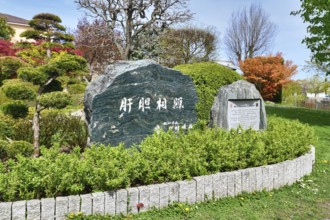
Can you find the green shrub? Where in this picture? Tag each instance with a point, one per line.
(33, 75)
(76, 88)
(19, 92)
(3, 149)
(19, 148)
(294, 100)
(16, 109)
(6, 131)
(63, 130)
(208, 78)
(9, 67)
(164, 157)
(22, 129)
(55, 100)
(56, 128)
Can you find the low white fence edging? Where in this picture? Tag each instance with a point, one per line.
(199, 189)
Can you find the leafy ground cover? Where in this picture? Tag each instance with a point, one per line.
(309, 198)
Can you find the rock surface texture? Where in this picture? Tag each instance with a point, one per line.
(135, 98)
(239, 91)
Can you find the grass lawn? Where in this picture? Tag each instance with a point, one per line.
(307, 199)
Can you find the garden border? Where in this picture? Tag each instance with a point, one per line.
(199, 189)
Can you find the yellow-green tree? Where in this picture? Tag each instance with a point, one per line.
(32, 86)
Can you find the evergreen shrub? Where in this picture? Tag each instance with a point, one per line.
(3, 149)
(63, 130)
(67, 131)
(164, 156)
(9, 66)
(19, 148)
(78, 88)
(208, 78)
(16, 109)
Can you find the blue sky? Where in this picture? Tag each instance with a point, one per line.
(216, 13)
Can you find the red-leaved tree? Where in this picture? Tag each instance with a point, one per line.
(268, 74)
(6, 48)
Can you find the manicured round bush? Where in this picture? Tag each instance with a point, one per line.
(9, 67)
(57, 100)
(208, 78)
(16, 109)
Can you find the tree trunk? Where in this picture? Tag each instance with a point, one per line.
(48, 53)
(36, 131)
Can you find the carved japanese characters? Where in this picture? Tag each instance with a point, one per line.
(135, 98)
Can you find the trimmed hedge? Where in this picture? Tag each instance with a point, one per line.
(208, 78)
(164, 157)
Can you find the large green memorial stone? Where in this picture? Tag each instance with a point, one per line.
(135, 98)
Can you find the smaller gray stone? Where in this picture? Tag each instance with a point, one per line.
(200, 191)
(98, 203)
(304, 162)
(174, 192)
(33, 209)
(86, 204)
(187, 191)
(223, 185)
(208, 187)
(133, 200)
(312, 151)
(48, 208)
(238, 182)
(74, 204)
(237, 92)
(309, 164)
(259, 186)
(300, 167)
(216, 185)
(268, 177)
(231, 184)
(144, 198)
(110, 202)
(278, 175)
(292, 171)
(61, 206)
(253, 179)
(286, 169)
(5, 210)
(19, 210)
(121, 203)
(164, 195)
(294, 166)
(245, 180)
(154, 196)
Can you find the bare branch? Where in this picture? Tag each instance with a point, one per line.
(132, 17)
(250, 33)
